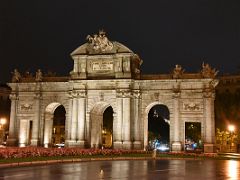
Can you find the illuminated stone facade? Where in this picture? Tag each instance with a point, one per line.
(108, 74)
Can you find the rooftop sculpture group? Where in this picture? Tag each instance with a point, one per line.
(178, 71)
(207, 71)
(100, 41)
(17, 77)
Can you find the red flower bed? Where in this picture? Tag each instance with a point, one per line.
(10, 152)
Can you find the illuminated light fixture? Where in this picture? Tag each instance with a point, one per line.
(231, 128)
(3, 121)
(155, 113)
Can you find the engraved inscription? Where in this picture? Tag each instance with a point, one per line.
(102, 65)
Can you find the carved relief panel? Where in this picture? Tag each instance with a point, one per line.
(192, 106)
(25, 107)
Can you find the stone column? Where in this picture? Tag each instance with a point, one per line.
(127, 144)
(117, 131)
(36, 121)
(209, 124)
(23, 133)
(68, 125)
(81, 118)
(74, 122)
(136, 136)
(12, 139)
(176, 143)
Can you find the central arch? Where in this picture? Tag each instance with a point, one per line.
(150, 110)
(98, 127)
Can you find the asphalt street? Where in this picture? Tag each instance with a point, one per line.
(135, 169)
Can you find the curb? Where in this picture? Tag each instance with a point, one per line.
(48, 162)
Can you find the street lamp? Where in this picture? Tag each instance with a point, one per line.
(2, 122)
(231, 128)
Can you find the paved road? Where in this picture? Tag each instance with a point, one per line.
(136, 169)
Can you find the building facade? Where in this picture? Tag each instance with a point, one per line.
(107, 74)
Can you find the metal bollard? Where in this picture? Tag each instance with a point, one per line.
(154, 154)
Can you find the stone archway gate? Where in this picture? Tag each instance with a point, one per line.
(109, 74)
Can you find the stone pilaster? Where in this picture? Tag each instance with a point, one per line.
(36, 121)
(176, 144)
(12, 139)
(81, 121)
(209, 124)
(74, 121)
(48, 130)
(23, 133)
(136, 133)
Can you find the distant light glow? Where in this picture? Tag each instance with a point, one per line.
(162, 147)
(231, 128)
(233, 168)
(3, 121)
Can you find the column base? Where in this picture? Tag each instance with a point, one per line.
(127, 145)
(12, 142)
(117, 145)
(34, 142)
(96, 146)
(47, 145)
(80, 144)
(176, 146)
(209, 148)
(70, 143)
(137, 145)
(22, 145)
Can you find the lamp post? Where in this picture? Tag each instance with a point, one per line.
(2, 130)
(231, 129)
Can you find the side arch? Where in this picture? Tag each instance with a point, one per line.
(48, 122)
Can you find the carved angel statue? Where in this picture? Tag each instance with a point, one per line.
(178, 71)
(207, 71)
(100, 41)
(39, 75)
(16, 76)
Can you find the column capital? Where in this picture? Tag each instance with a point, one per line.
(13, 96)
(38, 95)
(123, 93)
(176, 95)
(208, 93)
(136, 94)
(176, 90)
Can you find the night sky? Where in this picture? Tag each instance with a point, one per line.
(42, 33)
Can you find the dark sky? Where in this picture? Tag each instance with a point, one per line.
(42, 33)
